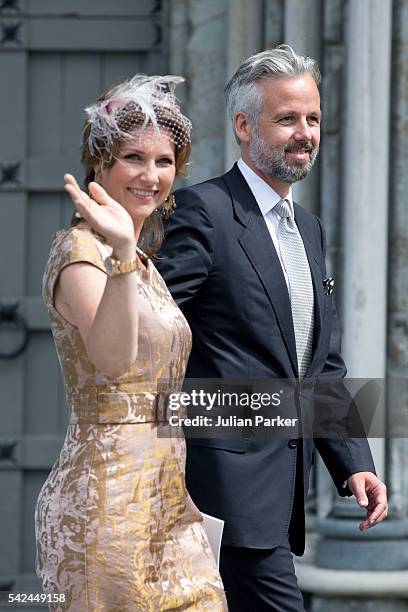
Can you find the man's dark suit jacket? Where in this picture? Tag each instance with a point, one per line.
(220, 264)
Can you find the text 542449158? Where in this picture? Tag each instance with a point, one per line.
(33, 598)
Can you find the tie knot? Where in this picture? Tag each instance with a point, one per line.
(283, 209)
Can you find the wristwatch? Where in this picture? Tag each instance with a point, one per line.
(115, 267)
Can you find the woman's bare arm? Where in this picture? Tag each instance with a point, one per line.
(103, 308)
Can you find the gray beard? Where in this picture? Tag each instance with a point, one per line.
(270, 160)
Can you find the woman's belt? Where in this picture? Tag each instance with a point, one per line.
(110, 408)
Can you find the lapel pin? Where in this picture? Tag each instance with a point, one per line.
(328, 285)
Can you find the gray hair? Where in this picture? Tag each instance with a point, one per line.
(241, 91)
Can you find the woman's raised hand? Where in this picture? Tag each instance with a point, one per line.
(104, 214)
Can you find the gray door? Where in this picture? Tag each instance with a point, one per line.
(55, 56)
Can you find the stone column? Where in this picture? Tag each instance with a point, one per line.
(331, 163)
(397, 364)
(208, 40)
(365, 199)
(198, 51)
(365, 204)
(245, 38)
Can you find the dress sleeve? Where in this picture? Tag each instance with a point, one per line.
(68, 247)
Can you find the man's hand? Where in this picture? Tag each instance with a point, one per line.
(371, 494)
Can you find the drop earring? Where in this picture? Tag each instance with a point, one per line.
(168, 206)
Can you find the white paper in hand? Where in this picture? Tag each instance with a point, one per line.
(214, 528)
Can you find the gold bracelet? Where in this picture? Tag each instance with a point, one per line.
(115, 267)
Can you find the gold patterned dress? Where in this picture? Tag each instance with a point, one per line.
(116, 529)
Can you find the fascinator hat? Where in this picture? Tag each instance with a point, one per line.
(141, 102)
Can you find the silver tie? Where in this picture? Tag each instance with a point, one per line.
(294, 259)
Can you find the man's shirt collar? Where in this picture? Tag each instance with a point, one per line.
(265, 196)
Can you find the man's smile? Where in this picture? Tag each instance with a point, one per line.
(298, 152)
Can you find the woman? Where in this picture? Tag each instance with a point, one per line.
(116, 528)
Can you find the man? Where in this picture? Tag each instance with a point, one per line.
(246, 265)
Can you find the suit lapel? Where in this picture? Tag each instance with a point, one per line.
(258, 246)
(306, 233)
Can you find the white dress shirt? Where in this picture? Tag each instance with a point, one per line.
(267, 198)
